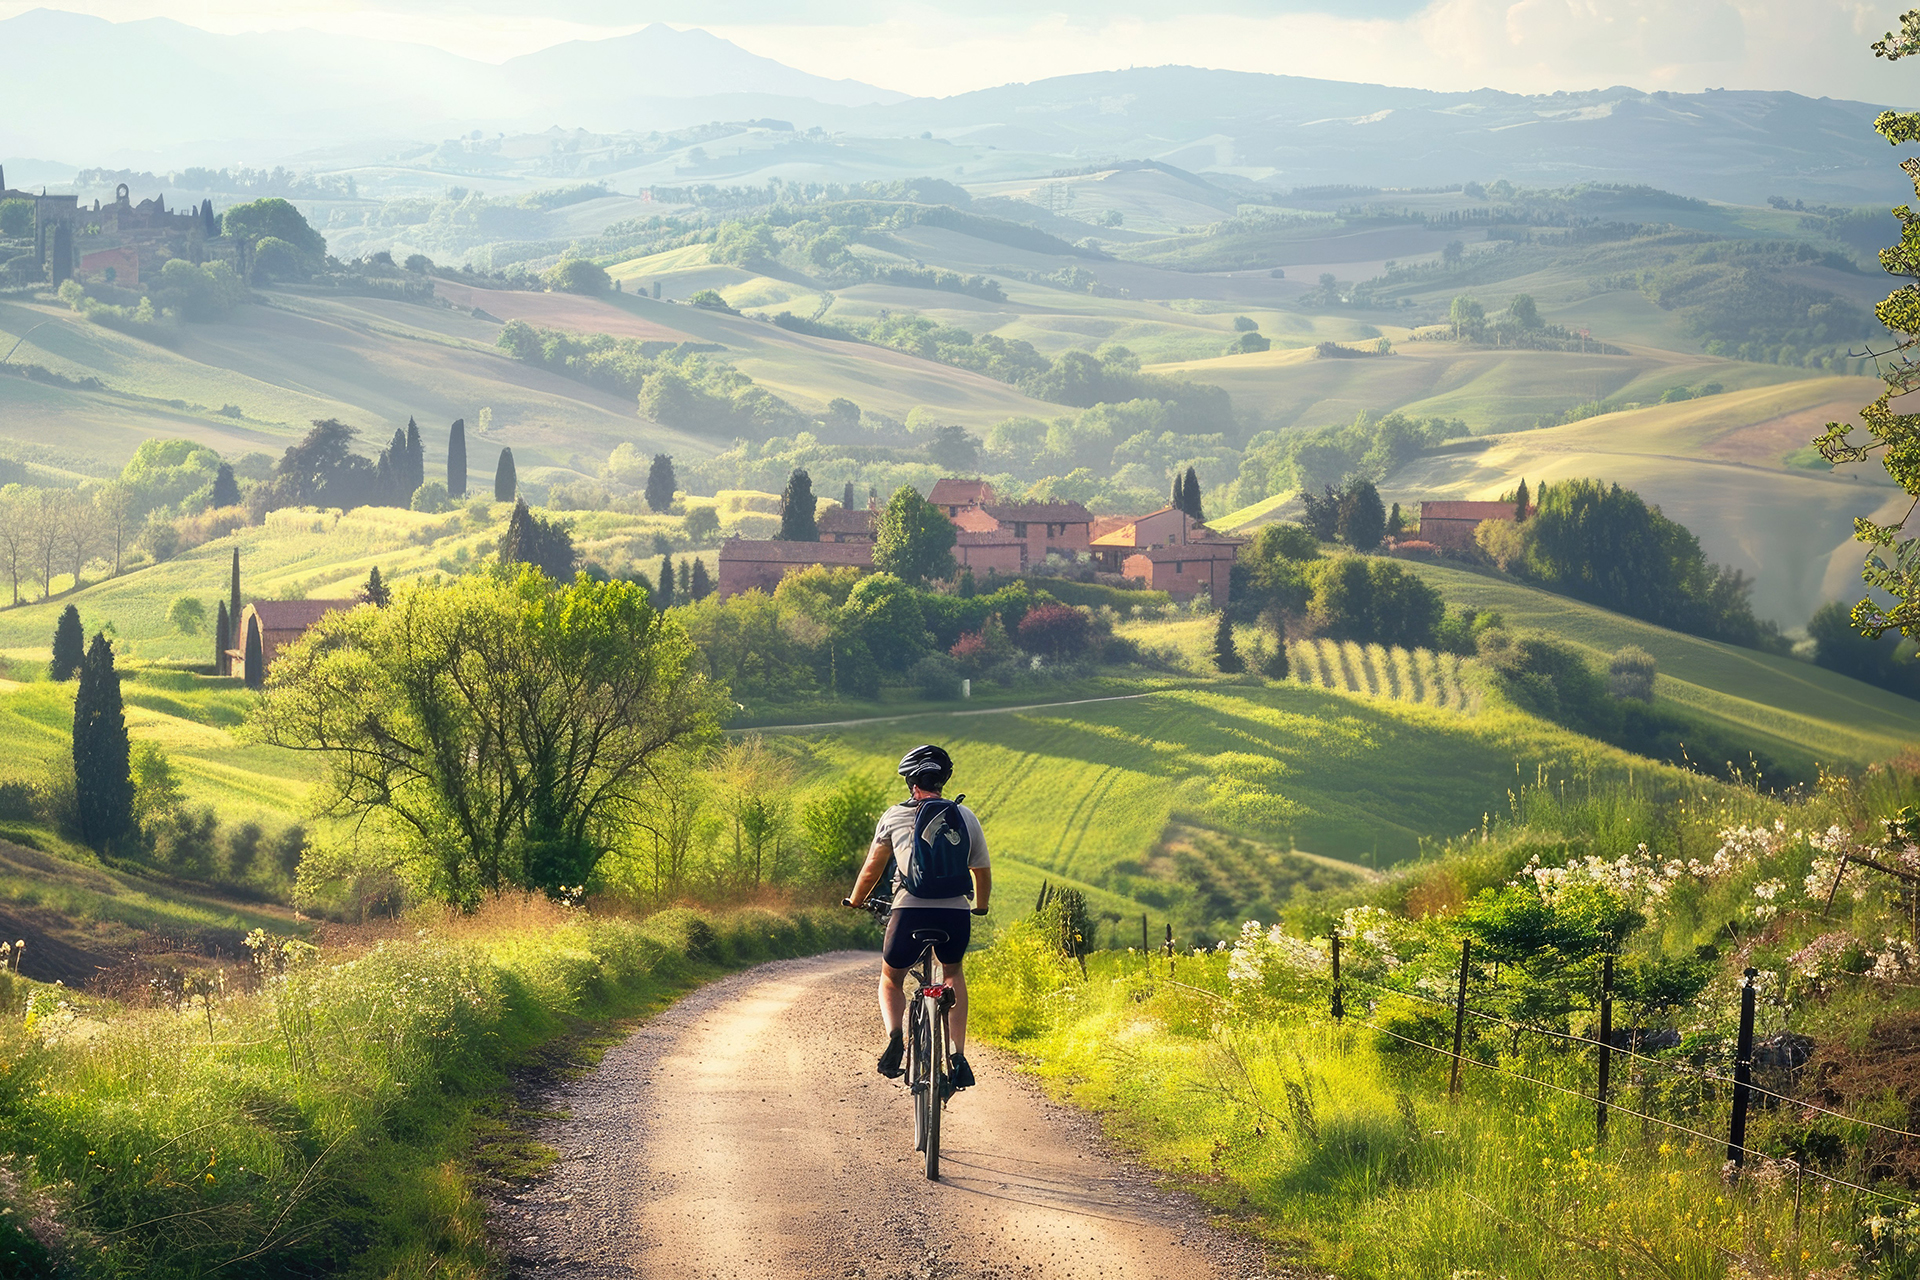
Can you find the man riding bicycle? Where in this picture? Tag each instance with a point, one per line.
(927, 770)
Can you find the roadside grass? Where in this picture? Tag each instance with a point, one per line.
(1342, 1150)
(317, 1113)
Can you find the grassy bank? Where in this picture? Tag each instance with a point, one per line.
(313, 1113)
(1339, 1143)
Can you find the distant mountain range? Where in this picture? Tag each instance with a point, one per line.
(158, 93)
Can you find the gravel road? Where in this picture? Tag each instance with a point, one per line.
(744, 1132)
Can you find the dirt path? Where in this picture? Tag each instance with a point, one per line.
(744, 1132)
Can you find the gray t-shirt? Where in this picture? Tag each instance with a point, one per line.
(896, 827)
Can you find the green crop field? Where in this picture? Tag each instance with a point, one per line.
(1791, 707)
(1418, 676)
(1086, 794)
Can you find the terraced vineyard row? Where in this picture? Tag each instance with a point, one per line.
(1419, 676)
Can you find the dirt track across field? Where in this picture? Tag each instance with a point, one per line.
(744, 1132)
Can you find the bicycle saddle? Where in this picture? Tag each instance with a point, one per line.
(930, 935)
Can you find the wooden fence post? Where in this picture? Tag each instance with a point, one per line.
(1606, 1049)
(1169, 948)
(1459, 1018)
(1339, 1011)
(1742, 1075)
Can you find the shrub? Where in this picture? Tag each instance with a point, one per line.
(578, 275)
(431, 497)
(936, 677)
(702, 522)
(1055, 631)
(1630, 674)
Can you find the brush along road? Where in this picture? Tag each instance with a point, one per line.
(744, 1132)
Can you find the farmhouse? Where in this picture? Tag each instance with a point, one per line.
(841, 524)
(1450, 525)
(1170, 551)
(268, 626)
(750, 564)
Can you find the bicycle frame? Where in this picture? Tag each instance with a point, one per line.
(925, 1030)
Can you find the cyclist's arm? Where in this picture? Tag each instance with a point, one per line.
(877, 859)
(982, 888)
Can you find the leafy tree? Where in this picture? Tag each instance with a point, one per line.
(102, 753)
(506, 481)
(1396, 523)
(164, 473)
(701, 523)
(796, 509)
(1467, 315)
(888, 617)
(226, 490)
(661, 483)
(579, 275)
(843, 413)
(430, 497)
(457, 458)
(1522, 502)
(1892, 565)
(1225, 656)
(1454, 251)
(1245, 324)
(16, 217)
(1372, 600)
(1322, 514)
(953, 448)
(376, 592)
(187, 614)
(1362, 519)
(69, 645)
(1838, 646)
(663, 594)
(913, 540)
(298, 248)
(504, 731)
(839, 826)
(323, 470)
(1523, 310)
(699, 584)
(547, 545)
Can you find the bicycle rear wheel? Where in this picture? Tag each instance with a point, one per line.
(918, 1034)
(936, 1082)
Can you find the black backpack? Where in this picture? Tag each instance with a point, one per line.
(937, 866)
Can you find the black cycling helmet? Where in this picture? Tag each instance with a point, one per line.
(927, 766)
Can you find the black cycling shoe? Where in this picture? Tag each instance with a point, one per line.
(889, 1064)
(959, 1072)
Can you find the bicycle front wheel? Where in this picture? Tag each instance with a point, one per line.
(936, 1082)
(918, 1058)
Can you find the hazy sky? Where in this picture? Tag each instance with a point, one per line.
(1816, 47)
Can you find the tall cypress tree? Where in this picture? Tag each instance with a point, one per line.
(457, 459)
(255, 671)
(684, 585)
(700, 586)
(796, 509)
(1226, 657)
(1179, 499)
(226, 490)
(69, 645)
(416, 461)
(222, 640)
(506, 481)
(846, 496)
(661, 483)
(663, 595)
(1521, 502)
(102, 754)
(1193, 507)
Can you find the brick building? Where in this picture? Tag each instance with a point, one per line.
(275, 624)
(1450, 525)
(748, 564)
(1170, 551)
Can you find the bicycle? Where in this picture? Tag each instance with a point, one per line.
(926, 1036)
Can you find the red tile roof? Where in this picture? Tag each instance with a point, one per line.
(294, 615)
(1038, 512)
(774, 551)
(1474, 511)
(955, 492)
(842, 520)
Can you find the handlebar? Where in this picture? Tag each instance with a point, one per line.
(882, 907)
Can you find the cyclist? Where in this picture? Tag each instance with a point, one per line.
(927, 770)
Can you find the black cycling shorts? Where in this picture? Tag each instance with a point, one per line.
(899, 951)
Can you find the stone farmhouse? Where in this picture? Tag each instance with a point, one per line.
(119, 243)
(1168, 551)
(272, 625)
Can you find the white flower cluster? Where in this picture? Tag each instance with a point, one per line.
(1766, 908)
(1369, 934)
(1894, 961)
(1829, 846)
(1636, 877)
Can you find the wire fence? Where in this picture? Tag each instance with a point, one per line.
(1738, 1150)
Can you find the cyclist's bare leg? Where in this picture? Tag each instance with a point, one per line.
(956, 1016)
(893, 1000)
